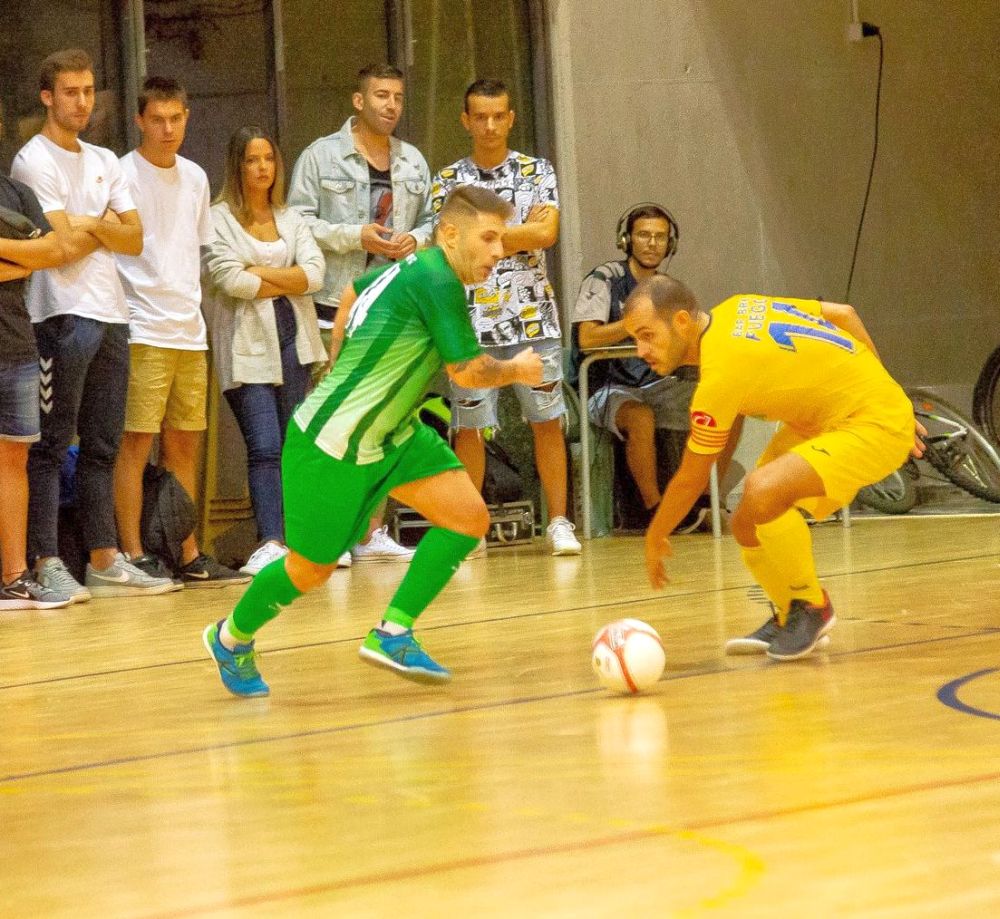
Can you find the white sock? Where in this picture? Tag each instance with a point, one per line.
(229, 642)
(393, 628)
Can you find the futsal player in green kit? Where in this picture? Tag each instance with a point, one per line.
(355, 439)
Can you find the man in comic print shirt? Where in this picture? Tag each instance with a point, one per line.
(516, 305)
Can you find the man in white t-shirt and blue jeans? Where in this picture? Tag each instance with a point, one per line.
(168, 342)
(81, 327)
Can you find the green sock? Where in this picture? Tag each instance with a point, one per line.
(269, 591)
(437, 558)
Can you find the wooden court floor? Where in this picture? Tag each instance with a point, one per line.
(861, 782)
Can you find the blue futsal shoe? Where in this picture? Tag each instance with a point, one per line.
(238, 668)
(403, 655)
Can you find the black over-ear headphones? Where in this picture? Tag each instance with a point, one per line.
(623, 232)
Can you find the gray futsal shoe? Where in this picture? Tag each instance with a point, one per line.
(759, 640)
(805, 627)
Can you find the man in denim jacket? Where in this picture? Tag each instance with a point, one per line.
(338, 185)
(367, 197)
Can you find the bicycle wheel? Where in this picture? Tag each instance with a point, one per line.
(986, 398)
(957, 449)
(895, 494)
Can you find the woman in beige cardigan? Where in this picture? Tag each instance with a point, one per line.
(261, 269)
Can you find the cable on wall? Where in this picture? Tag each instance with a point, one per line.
(868, 30)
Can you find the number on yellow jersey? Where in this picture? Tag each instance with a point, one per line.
(813, 327)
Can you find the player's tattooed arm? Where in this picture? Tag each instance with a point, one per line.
(484, 371)
(480, 372)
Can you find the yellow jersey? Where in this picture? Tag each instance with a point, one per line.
(777, 358)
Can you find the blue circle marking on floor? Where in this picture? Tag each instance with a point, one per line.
(948, 694)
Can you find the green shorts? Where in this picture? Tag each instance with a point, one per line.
(329, 502)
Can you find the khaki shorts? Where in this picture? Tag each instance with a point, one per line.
(168, 387)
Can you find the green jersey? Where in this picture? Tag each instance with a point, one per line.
(408, 319)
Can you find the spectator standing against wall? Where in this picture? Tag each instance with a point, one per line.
(366, 196)
(19, 423)
(262, 266)
(168, 342)
(629, 398)
(516, 305)
(81, 327)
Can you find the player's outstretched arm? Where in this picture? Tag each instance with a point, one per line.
(846, 317)
(484, 371)
(684, 489)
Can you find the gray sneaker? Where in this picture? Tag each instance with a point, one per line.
(24, 592)
(123, 579)
(154, 567)
(759, 640)
(54, 575)
(804, 629)
(205, 571)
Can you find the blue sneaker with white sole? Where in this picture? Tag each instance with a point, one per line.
(403, 655)
(238, 668)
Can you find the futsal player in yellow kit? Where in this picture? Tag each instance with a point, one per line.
(845, 423)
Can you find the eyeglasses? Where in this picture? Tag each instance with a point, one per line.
(644, 236)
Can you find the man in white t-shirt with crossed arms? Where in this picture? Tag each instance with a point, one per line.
(81, 326)
(168, 343)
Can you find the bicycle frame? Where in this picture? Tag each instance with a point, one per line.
(957, 430)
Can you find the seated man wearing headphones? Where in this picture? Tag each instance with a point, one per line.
(629, 399)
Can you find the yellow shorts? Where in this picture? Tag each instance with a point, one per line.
(166, 386)
(862, 450)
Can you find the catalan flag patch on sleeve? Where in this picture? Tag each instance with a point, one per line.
(706, 436)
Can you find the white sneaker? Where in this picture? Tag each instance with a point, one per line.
(381, 547)
(478, 551)
(263, 556)
(122, 579)
(54, 575)
(346, 560)
(559, 533)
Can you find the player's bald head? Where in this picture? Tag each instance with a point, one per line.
(665, 294)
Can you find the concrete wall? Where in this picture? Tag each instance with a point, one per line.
(753, 122)
(30, 30)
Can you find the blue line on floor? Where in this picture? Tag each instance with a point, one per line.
(948, 694)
